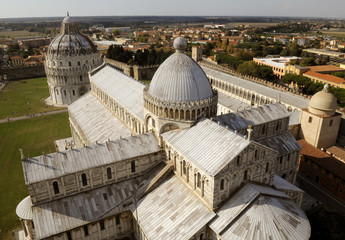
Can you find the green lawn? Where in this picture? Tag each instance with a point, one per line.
(24, 97)
(34, 135)
(147, 82)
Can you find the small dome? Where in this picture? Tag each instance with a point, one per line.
(323, 102)
(180, 44)
(24, 210)
(67, 19)
(179, 78)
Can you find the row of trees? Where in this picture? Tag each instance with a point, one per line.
(246, 67)
(309, 87)
(304, 83)
(14, 50)
(141, 58)
(255, 70)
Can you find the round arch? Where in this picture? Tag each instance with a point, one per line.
(168, 127)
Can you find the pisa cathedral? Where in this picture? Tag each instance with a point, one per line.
(157, 162)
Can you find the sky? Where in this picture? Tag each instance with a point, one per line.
(55, 8)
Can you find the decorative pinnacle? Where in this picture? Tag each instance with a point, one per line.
(326, 88)
(67, 14)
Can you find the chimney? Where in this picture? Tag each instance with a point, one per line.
(250, 132)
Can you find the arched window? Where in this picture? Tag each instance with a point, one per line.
(109, 175)
(256, 153)
(133, 166)
(86, 230)
(187, 115)
(83, 179)
(267, 167)
(263, 130)
(201, 236)
(198, 180)
(222, 185)
(238, 160)
(56, 187)
(245, 175)
(184, 167)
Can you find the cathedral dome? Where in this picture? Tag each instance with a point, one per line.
(70, 41)
(180, 78)
(323, 102)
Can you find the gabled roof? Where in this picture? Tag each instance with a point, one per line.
(281, 184)
(125, 90)
(260, 212)
(208, 145)
(231, 102)
(324, 77)
(58, 164)
(95, 121)
(283, 143)
(171, 211)
(254, 116)
(77, 210)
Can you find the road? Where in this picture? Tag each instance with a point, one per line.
(319, 193)
(32, 116)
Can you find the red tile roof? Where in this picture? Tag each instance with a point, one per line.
(326, 77)
(326, 68)
(323, 159)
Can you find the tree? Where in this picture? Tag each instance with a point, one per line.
(310, 61)
(208, 49)
(224, 44)
(116, 32)
(230, 60)
(244, 55)
(255, 70)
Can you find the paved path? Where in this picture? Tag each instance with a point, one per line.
(32, 116)
(2, 85)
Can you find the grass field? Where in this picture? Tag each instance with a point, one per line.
(262, 25)
(34, 135)
(23, 33)
(332, 33)
(24, 97)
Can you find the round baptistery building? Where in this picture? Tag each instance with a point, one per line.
(179, 94)
(71, 55)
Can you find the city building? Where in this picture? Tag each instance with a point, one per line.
(71, 55)
(17, 61)
(283, 39)
(323, 168)
(34, 43)
(301, 41)
(156, 162)
(277, 63)
(318, 74)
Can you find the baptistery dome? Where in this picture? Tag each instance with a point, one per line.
(70, 56)
(70, 41)
(180, 78)
(323, 102)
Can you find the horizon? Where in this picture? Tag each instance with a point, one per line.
(219, 8)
